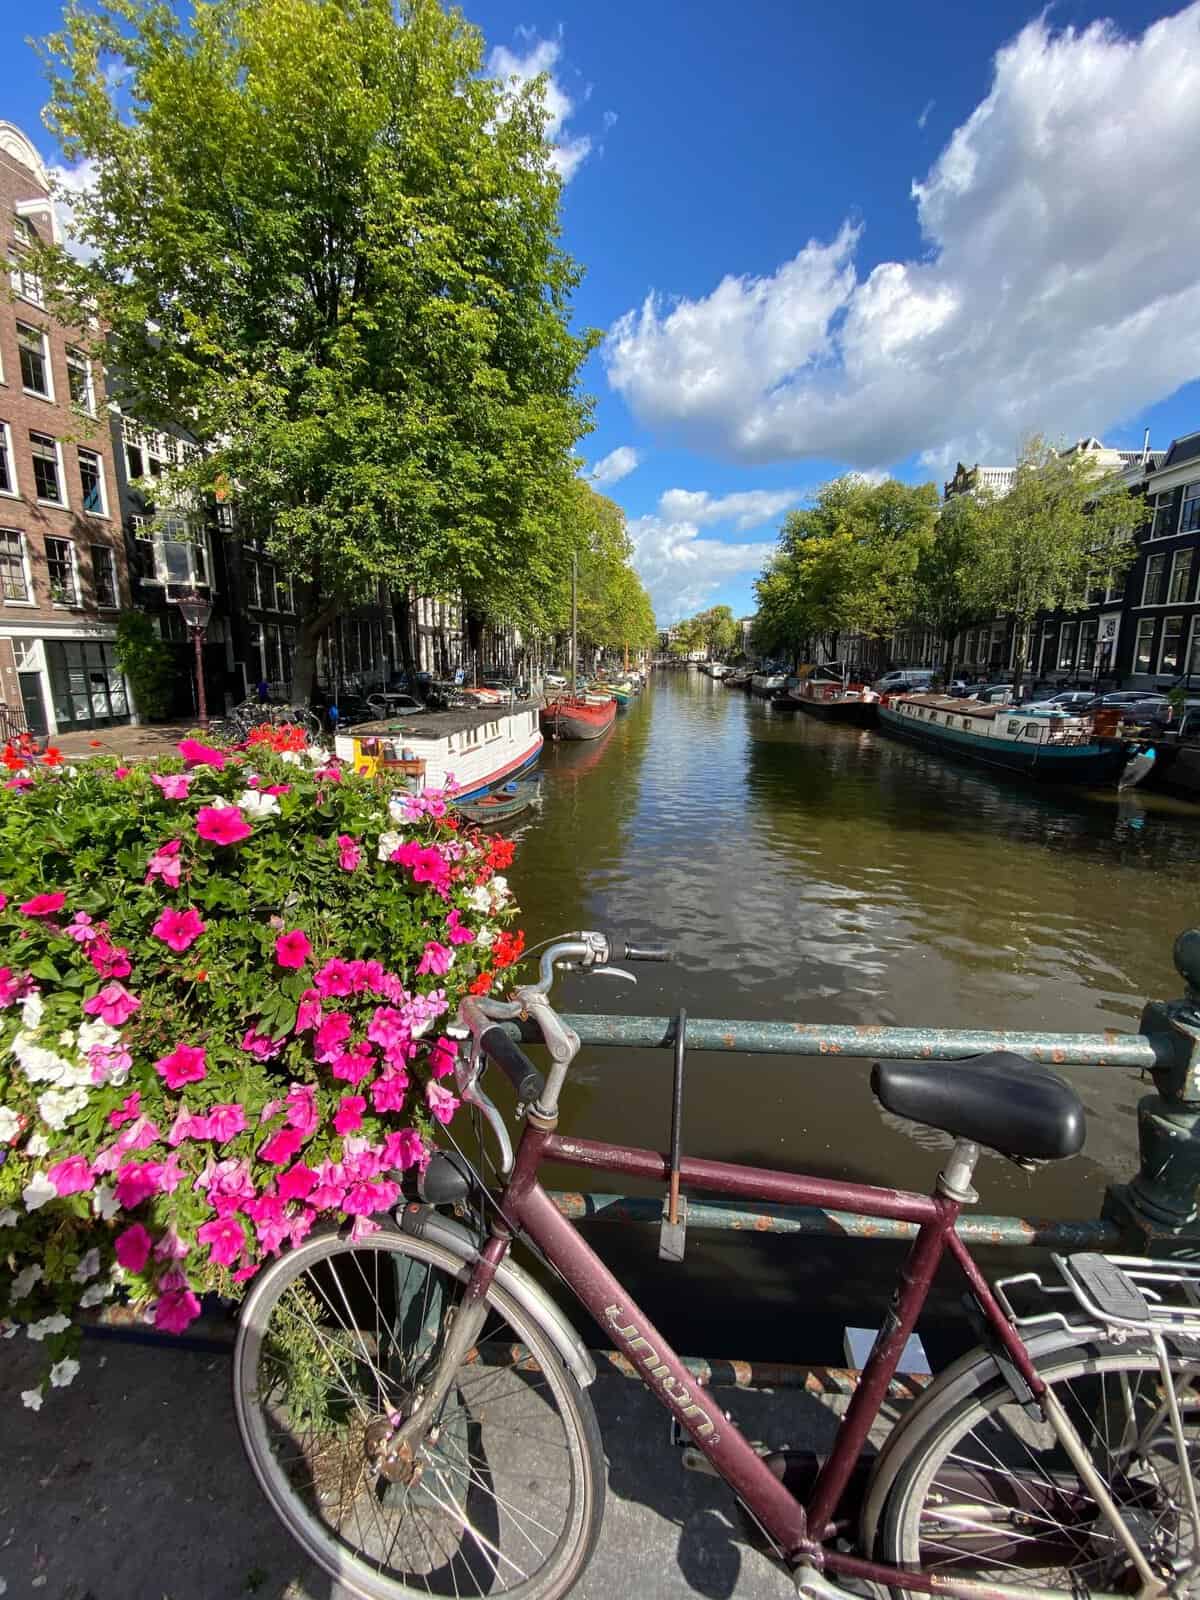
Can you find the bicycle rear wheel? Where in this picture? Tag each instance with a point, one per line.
(333, 1343)
(986, 1490)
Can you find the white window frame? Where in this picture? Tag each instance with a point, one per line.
(65, 605)
(1181, 639)
(30, 600)
(110, 554)
(37, 394)
(77, 359)
(65, 503)
(1146, 622)
(81, 451)
(1166, 571)
(151, 531)
(1185, 500)
(1153, 502)
(25, 235)
(1184, 550)
(6, 447)
(1060, 664)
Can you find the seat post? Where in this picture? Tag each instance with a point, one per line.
(954, 1180)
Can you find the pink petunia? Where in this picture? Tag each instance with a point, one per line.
(361, 1199)
(187, 1126)
(185, 1064)
(331, 1036)
(178, 930)
(12, 987)
(349, 1113)
(330, 1187)
(282, 1146)
(353, 1065)
(136, 1181)
(165, 863)
(109, 960)
(436, 959)
(225, 1238)
(222, 825)
(128, 1111)
(388, 1091)
(302, 1110)
(308, 1013)
(44, 905)
(171, 1247)
(176, 1310)
(114, 1005)
(335, 978)
(349, 852)
(73, 1175)
(404, 1149)
(292, 949)
(227, 1184)
(82, 929)
(297, 1182)
(261, 1045)
(457, 931)
(174, 785)
(389, 1028)
(442, 1104)
(226, 1121)
(132, 1247)
(121, 772)
(442, 1057)
(196, 754)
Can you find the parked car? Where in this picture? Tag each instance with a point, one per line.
(1072, 702)
(910, 679)
(394, 704)
(997, 694)
(1141, 705)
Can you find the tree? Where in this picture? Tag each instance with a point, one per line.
(948, 581)
(328, 245)
(1064, 528)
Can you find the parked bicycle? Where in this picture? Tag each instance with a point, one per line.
(237, 726)
(415, 1405)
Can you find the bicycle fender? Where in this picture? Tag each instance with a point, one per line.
(426, 1223)
(976, 1368)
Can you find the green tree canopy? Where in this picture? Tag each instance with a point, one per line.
(328, 245)
(949, 580)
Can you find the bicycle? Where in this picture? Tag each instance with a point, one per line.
(236, 727)
(415, 1405)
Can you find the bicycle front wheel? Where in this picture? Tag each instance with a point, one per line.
(334, 1344)
(986, 1489)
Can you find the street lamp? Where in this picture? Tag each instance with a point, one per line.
(195, 611)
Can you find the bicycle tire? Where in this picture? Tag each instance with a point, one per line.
(310, 1494)
(938, 1515)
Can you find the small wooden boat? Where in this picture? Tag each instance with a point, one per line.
(578, 716)
(831, 693)
(502, 806)
(767, 684)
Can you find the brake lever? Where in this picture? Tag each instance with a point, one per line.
(614, 972)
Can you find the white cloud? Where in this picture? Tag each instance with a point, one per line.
(682, 571)
(924, 117)
(541, 57)
(750, 508)
(66, 185)
(617, 464)
(1059, 291)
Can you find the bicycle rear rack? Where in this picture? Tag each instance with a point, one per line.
(1124, 1294)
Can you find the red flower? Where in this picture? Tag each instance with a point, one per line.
(44, 905)
(508, 948)
(52, 756)
(482, 983)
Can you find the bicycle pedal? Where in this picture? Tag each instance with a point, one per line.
(1101, 1283)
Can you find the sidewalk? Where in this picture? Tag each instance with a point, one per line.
(132, 1485)
(128, 744)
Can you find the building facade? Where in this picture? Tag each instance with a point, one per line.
(63, 571)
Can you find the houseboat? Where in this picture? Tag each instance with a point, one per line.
(1051, 747)
(768, 684)
(579, 716)
(479, 749)
(830, 692)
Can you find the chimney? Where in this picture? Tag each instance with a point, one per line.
(1146, 448)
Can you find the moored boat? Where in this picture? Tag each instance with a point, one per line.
(1053, 748)
(479, 749)
(831, 693)
(767, 683)
(502, 806)
(578, 716)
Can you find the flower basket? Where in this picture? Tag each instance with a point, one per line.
(224, 981)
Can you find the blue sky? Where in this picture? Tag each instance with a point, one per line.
(860, 236)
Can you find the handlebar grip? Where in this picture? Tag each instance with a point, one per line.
(528, 1083)
(648, 952)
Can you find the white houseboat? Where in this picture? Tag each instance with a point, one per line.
(478, 749)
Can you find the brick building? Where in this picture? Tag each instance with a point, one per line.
(63, 572)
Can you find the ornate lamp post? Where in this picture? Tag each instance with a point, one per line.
(195, 611)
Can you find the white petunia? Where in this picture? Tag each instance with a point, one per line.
(9, 1218)
(56, 1323)
(95, 1294)
(315, 756)
(486, 937)
(256, 804)
(32, 1398)
(104, 1202)
(32, 1008)
(500, 890)
(39, 1064)
(24, 1282)
(10, 1125)
(37, 1191)
(292, 757)
(64, 1372)
(37, 1145)
(92, 1031)
(479, 899)
(88, 1266)
(398, 810)
(388, 842)
(57, 1106)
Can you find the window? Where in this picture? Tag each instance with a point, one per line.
(270, 592)
(253, 589)
(8, 473)
(104, 575)
(47, 472)
(1086, 658)
(91, 482)
(1181, 576)
(79, 380)
(1162, 519)
(135, 465)
(1143, 648)
(287, 598)
(60, 564)
(1066, 646)
(1193, 663)
(1170, 650)
(1154, 587)
(1116, 589)
(1189, 516)
(171, 550)
(35, 361)
(14, 579)
(26, 283)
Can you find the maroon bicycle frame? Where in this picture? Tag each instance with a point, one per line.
(799, 1531)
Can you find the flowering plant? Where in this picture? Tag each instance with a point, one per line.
(223, 985)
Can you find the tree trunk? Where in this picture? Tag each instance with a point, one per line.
(1022, 629)
(474, 621)
(316, 612)
(402, 613)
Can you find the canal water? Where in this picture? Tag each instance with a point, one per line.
(823, 874)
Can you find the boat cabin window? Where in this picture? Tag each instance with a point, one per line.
(1014, 726)
(1031, 732)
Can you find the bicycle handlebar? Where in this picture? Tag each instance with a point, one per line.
(528, 1083)
(644, 952)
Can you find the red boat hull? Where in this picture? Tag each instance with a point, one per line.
(576, 719)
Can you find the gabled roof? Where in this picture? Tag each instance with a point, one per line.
(1185, 449)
